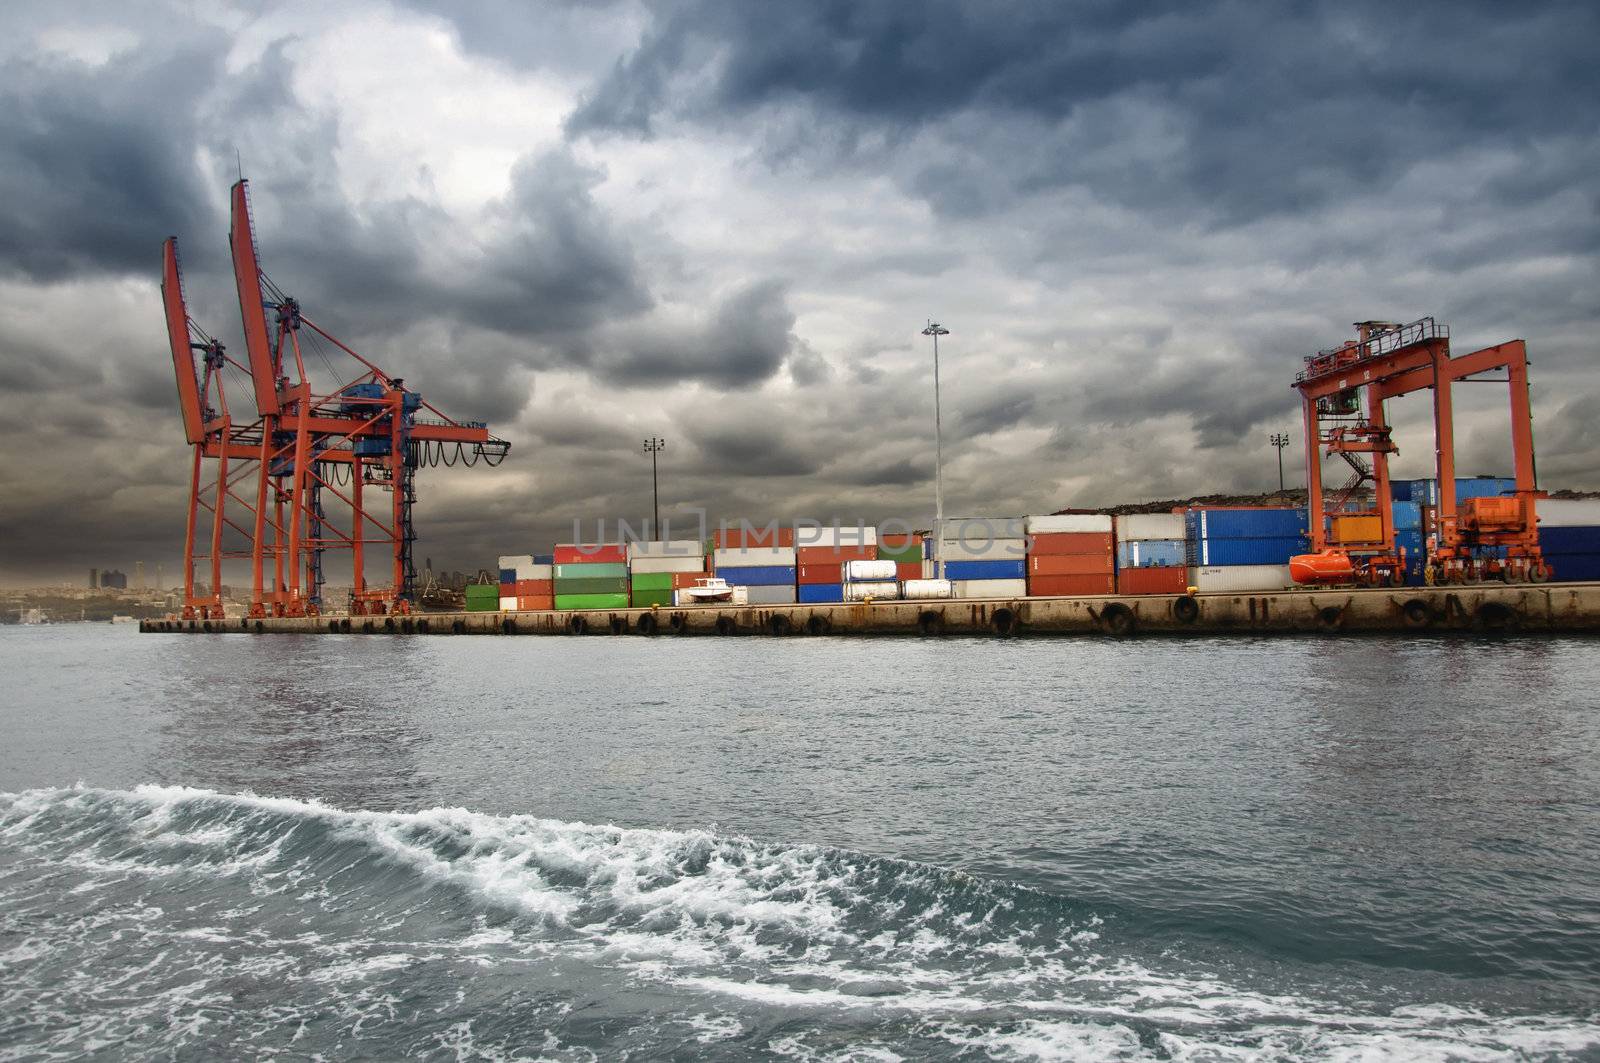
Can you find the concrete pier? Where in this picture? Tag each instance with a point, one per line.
(1551, 608)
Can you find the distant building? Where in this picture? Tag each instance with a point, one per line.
(94, 579)
(138, 575)
(113, 580)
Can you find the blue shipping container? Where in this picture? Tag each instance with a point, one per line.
(544, 559)
(758, 575)
(1410, 540)
(819, 593)
(1426, 492)
(508, 575)
(985, 570)
(1407, 515)
(1275, 551)
(1576, 540)
(1244, 523)
(1151, 553)
(1575, 566)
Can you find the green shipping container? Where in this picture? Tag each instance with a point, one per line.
(491, 591)
(645, 599)
(591, 601)
(900, 554)
(608, 585)
(483, 605)
(652, 581)
(596, 570)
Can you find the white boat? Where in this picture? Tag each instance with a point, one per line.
(710, 589)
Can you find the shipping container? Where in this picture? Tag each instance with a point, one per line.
(1567, 513)
(1225, 579)
(905, 570)
(836, 556)
(736, 536)
(648, 599)
(1209, 552)
(686, 579)
(596, 585)
(989, 588)
(1069, 565)
(1575, 568)
(975, 530)
(610, 569)
(1426, 492)
(512, 561)
(870, 571)
(1153, 580)
(671, 549)
(962, 571)
(773, 595)
(591, 601)
(1274, 523)
(753, 557)
(483, 605)
(820, 593)
(827, 572)
(508, 575)
(532, 603)
(1406, 515)
(759, 575)
(508, 603)
(508, 590)
(982, 550)
(591, 554)
(1569, 539)
(1071, 586)
(535, 587)
(1151, 553)
(1070, 543)
(835, 535)
(668, 564)
(481, 590)
(1150, 526)
(1066, 523)
(1355, 528)
(879, 591)
(650, 581)
(926, 589)
(901, 548)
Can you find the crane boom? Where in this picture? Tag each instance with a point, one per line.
(252, 308)
(182, 349)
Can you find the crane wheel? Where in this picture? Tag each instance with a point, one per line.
(1186, 610)
(1417, 614)
(1539, 574)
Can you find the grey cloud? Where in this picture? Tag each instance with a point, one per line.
(743, 342)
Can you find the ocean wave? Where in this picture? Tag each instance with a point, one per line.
(212, 910)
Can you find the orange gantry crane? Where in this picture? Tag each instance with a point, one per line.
(307, 471)
(1342, 392)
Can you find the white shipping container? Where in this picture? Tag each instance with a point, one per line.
(1150, 526)
(1069, 522)
(647, 565)
(990, 588)
(869, 570)
(536, 571)
(1568, 512)
(983, 550)
(514, 560)
(843, 535)
(747, 556)
(673, 548)
(880, 591)
(1227, 579)
(508, 603)
(975, 529)
(784, 595)
(926, 589)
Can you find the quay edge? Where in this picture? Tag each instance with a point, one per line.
(1553, 608)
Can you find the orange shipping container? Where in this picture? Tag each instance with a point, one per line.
(834, 555)
(535, 588)
(533, 602)
(898, 542)
(680, 580)
(1071, 543)
(1173, 579)
(1069, 586)
(1070, 565)
(738, 537)
(908, 570)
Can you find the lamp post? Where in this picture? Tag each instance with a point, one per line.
(936, 330)
(654, 446)
(1280, 440)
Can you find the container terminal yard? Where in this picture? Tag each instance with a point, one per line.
(301, 473)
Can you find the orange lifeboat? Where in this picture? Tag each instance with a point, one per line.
(1326, 567)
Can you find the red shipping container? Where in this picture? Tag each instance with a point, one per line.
(740, 537)
(896, 542)
(1070, 586)
(1070, 543)
(535, 587)
(1070, 565)
(508, 590)
(826, 572)
(591, 553)
(834, 555)
(1170, 579)
(905, 570)
(536, 602)
(680, 580)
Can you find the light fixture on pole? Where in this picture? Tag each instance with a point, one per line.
(1280, 440)
(936, 330)
(652, 447)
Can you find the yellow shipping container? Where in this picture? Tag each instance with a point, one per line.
(1356, 529)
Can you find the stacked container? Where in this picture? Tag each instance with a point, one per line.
(1152, 554)
(591, 576)
(907, 553)
(1069, 555)
(656, 569)
(822, 555)
(984, 557)
(762, 560)
(1234, 550)
(532, 582)
(483, 597)
(1569, 537)
(1408, 537)
(870, 578)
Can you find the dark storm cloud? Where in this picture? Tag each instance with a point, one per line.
(744, 342)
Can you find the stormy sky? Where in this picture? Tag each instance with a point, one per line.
(725, 223)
